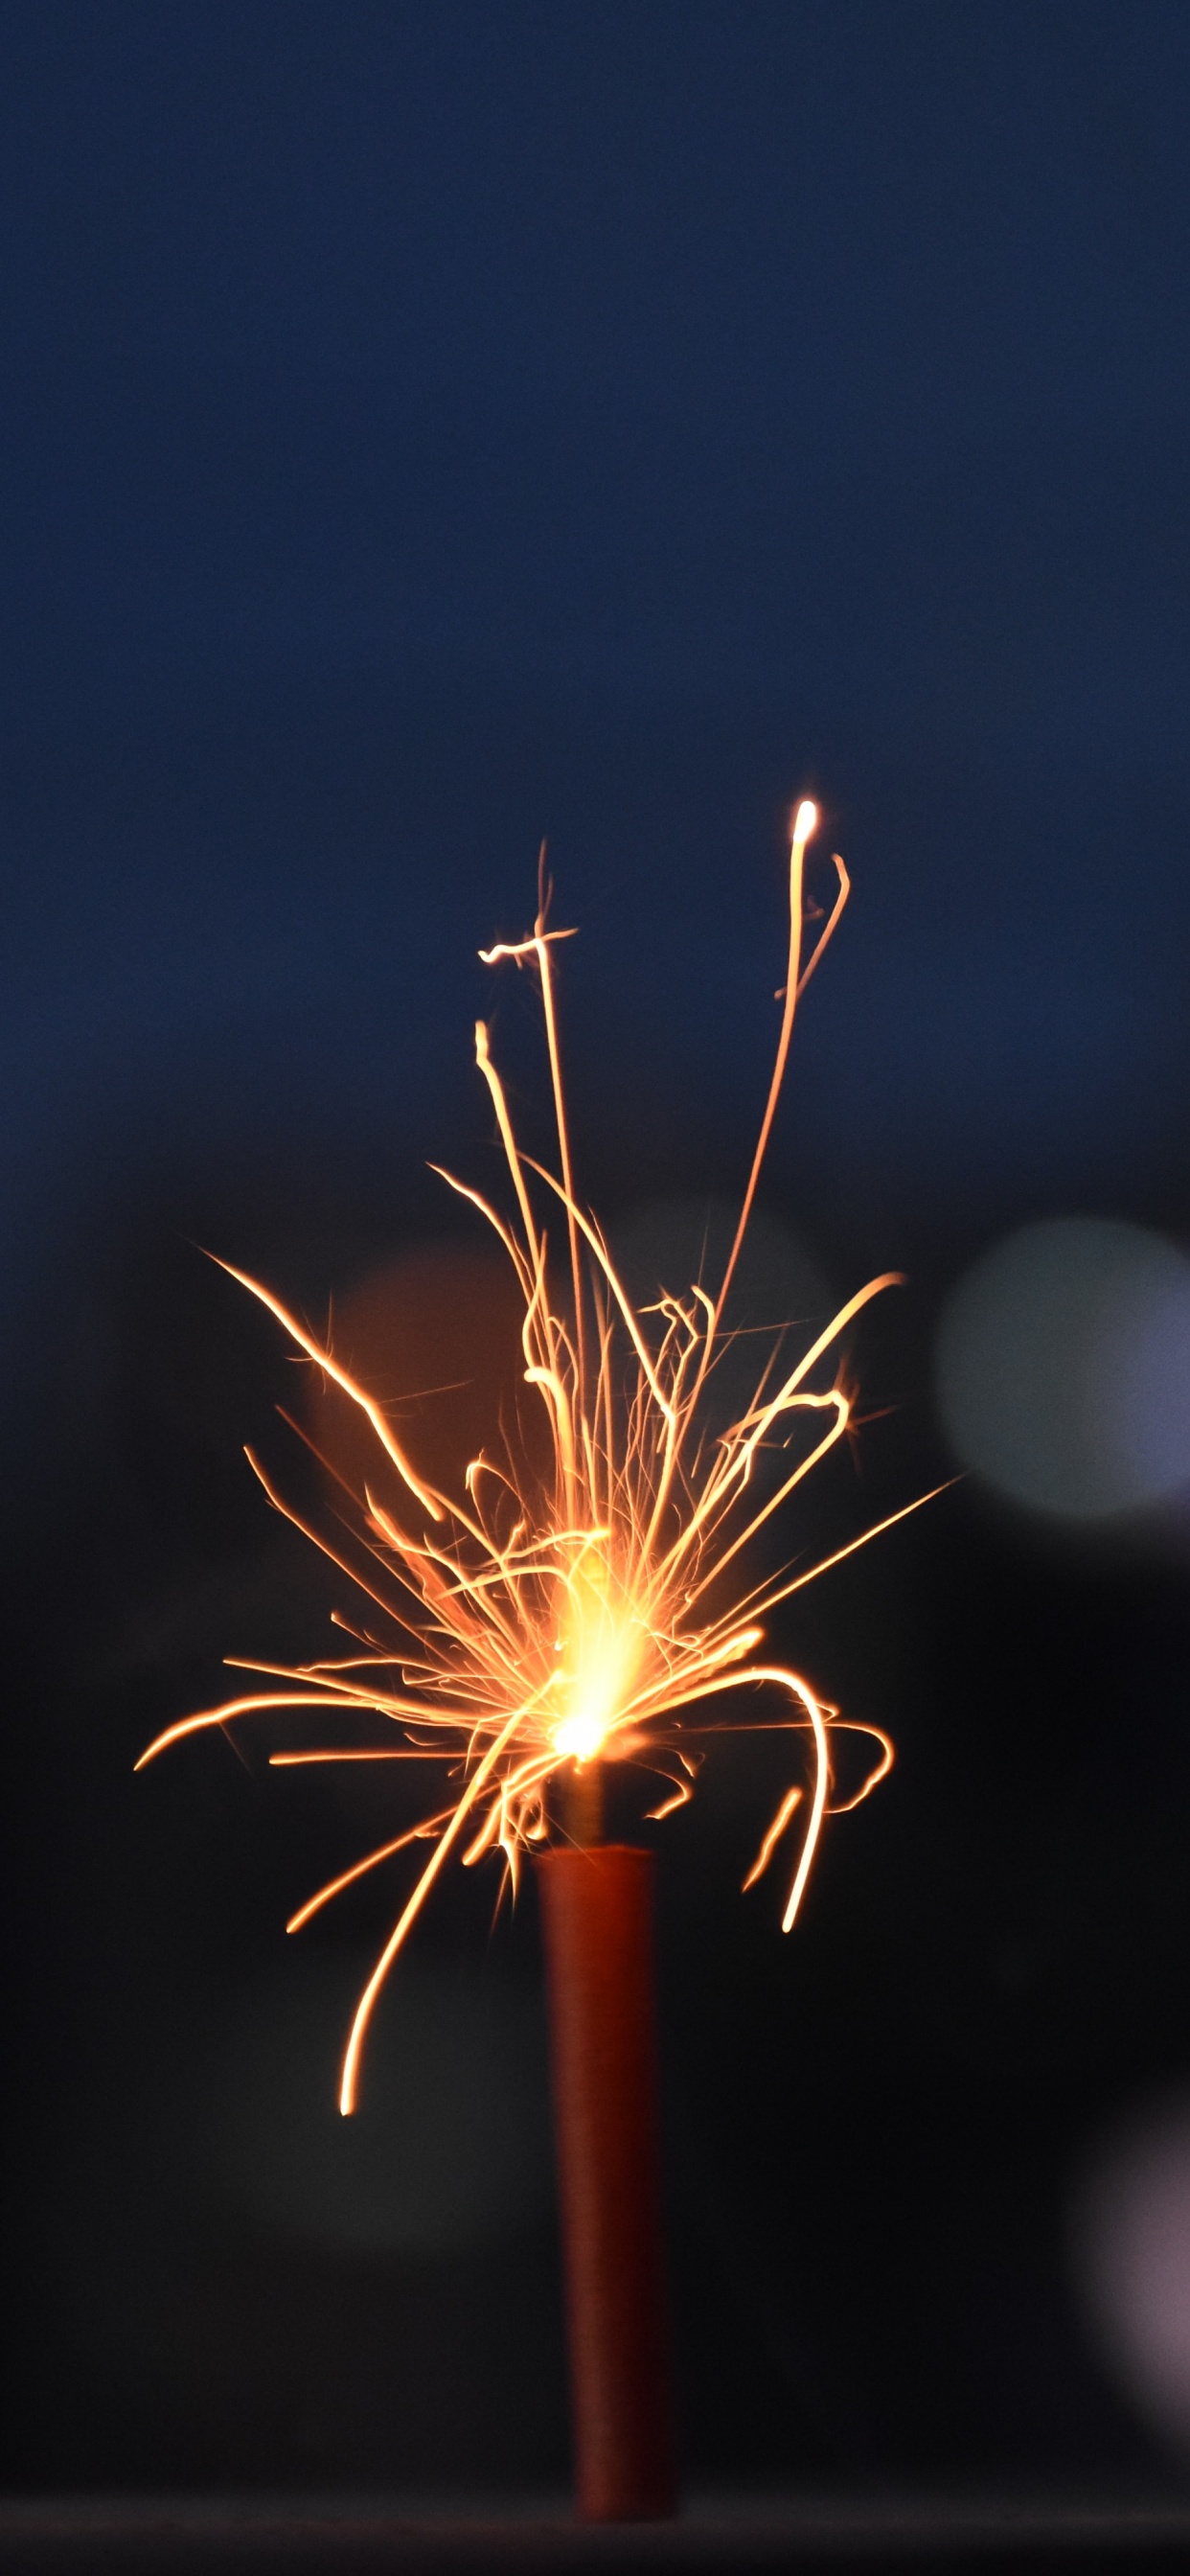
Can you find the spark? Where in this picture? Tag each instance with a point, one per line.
(542, 1622)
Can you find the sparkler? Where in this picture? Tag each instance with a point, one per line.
(544, 1626)
(541, 1623)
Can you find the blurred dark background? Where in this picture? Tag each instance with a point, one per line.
(425, 427)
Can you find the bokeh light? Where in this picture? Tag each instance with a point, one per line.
(1130, 2245)
(1063, 1368)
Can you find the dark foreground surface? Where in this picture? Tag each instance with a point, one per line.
(111, 2533)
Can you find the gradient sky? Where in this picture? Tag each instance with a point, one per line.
(429, 426)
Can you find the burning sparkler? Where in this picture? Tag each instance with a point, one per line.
(542, 1625)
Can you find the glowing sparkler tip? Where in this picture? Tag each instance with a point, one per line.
(805, 821)
(580, 1740)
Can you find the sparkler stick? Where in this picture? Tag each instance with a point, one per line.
(597, 1917)
(546, 1620)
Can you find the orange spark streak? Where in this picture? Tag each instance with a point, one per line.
(545, 1621)
(357, 1753)
(335, 1886)
(792, 1799)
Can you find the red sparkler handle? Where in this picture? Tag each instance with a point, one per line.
(597, 1909)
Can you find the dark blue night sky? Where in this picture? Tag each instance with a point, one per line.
(429, 427)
